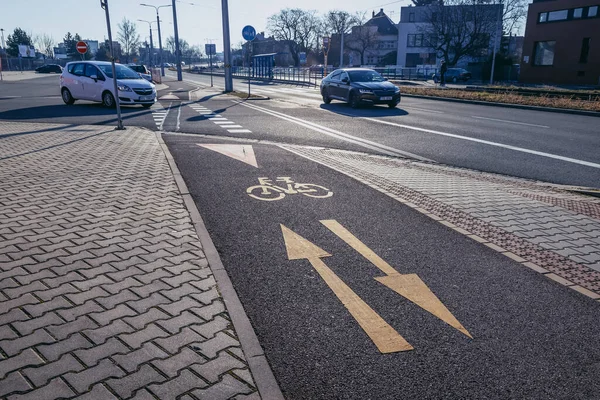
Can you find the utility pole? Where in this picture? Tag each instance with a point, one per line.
(342, 44)
(177, 49)
(104, 5)
(160, 54)
(151, 44)
(226, 47)
(498, 27)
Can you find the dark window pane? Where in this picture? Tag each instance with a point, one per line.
(593, 11)
(578, 13)
(544, 53)
(585, 50)
(79, 69)
(559, 15)
(543, 17)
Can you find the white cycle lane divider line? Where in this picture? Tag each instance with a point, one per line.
(218, 119)
(390, 151)
(487, 142)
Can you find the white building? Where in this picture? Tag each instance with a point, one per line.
(92, 46)
(414, 33)
(380, 34)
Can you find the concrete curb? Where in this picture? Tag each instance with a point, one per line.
(507, 105)
(267, 385)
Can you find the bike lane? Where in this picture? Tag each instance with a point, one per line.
(355, 295)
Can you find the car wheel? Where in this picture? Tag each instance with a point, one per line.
(108, 100)
(354, 101)
(67, 97)
(326, 98)
(146, 105)
(454, 80)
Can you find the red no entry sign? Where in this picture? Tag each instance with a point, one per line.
(82, 47)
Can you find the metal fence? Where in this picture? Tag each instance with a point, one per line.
(312, 75)
(28, 64)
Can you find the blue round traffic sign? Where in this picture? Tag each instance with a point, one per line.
(249, 33)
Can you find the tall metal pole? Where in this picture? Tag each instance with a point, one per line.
(160, 53)
(177, 49)
(342, 45)
(498, 27)
(151, 48)
(104, 5)
(226, 47)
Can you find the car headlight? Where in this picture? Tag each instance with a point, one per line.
(124, 88)
(397, 89)
(365, 91)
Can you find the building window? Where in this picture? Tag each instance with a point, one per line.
(544, 53)
(585, 50)
(543, 17)
(411, 17)
(415, 40)
(592, 11)
(559, 15)
(578, 13)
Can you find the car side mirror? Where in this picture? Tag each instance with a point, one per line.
(345, 80)
(94, 77)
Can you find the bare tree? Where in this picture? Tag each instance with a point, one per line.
(129, 38)
(297, 27)
(459, 28)
(513, 14)
(47, 45)
(362, 38)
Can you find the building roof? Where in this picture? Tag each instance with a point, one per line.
(385, 26)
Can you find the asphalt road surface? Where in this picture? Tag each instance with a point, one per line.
(532, 338)
(557, 148)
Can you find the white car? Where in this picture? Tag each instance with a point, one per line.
(92, 80)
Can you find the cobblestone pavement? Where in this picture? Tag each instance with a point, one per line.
(544, 227)
(105, 290)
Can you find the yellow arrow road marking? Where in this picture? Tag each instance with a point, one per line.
(409, 286)
(381, 333)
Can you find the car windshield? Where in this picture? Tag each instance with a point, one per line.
(122, 71)
(137, 68)
(365, 76)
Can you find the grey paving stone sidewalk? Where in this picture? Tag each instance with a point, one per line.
(105, 291)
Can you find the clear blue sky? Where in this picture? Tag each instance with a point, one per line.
(197, 22)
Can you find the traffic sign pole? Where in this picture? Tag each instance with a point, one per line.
(104, 5)
(226, 47)
(249, 33)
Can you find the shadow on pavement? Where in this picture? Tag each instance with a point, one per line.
(76, 110)
(365, 111)
(57, 145)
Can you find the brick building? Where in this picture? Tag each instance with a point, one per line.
(562, 42)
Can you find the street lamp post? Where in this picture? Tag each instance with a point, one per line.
(160, 54)
(104, 5)
(226, 46)
(177, 49)
(498, 28)
(151, 43)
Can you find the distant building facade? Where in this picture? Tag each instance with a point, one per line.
(414, 43)
(562, 42)
(381, 33)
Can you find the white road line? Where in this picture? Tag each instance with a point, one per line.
(224, 122)
(422, 109)
(218, 119)
(178, 118)
(231, 126)
(537, 153)
(163, 121)
(191, 91)
(337, 134)
(239, 131)
(511, 122)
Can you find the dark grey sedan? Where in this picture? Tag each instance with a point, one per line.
(358, 86)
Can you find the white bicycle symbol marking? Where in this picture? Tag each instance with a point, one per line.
(268, 191)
